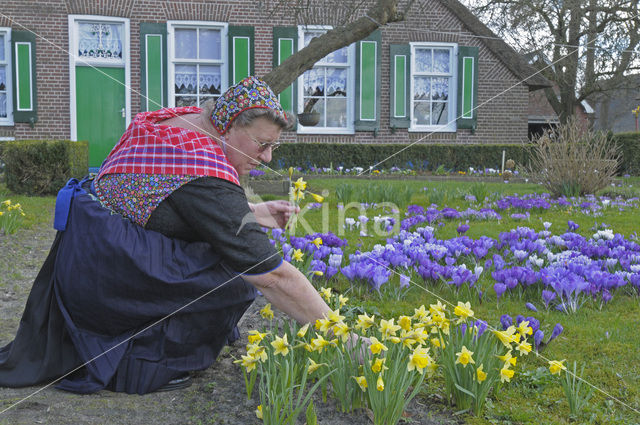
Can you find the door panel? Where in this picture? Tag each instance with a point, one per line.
(100, 100)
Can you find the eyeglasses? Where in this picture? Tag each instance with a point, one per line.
(263, 146)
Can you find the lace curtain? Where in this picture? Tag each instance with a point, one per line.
(100, 40)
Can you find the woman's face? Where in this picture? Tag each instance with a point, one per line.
(249, 146)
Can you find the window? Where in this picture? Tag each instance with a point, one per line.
(197, 70)
(6, 104)
(328, 88)
(433, 87)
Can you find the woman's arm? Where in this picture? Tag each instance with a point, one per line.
(291, 292)
(273, 214)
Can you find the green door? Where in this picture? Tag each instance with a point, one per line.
(100, 105)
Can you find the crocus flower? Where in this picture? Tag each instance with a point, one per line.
(557, 330)
(547, 297)
(506, 321)
(404, 281)
(531, 307)
(462, 229)
(499, 288)
(538, 337)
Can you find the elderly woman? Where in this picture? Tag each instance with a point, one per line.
(157, 259)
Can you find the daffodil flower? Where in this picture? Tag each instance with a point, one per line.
(508, 359)
(341, 330)
(266, 312)
(323, 325)
(326, 293)
(463, 311)
(259, 411)
(378, 365)
(365, 322)
(316, 197)
(255, 336)
(303, 331)
(317, 242)
(556, 367)
(297, 255)
(524, 328)
(313, 366)
(281, 345)
(334, 316)
(506, 374)
(380, 383)
(404, 322)
(419, 359)
(362, 382)
(300, 184)
(420, 313)
(438, 308)
(388, 328)
(248, 362)
(524, 348)
(342, 300)
(464, 357)
(481, 375)
(376, 346)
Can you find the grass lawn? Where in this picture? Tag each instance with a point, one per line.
(605, 339)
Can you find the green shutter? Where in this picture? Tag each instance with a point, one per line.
(241, 55)
(153, 66)
(400, 61)
(368, 82)
(285, 44)
(467, 87)
(23, 48)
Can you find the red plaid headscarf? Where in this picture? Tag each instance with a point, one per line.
(149, 148)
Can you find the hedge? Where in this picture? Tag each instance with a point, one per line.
(42, 167)
(630, 146)
(418, 157)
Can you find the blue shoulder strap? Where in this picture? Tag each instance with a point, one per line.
(63, 203)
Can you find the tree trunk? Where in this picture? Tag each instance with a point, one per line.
(381, 13)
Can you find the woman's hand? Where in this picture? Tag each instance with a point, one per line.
(273, 214)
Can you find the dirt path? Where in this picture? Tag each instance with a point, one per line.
(217, 395)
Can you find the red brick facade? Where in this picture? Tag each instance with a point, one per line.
(502, 97)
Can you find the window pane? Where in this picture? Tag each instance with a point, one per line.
(209, 44)
(423, 60)
(3, 78)
(440, 89)
(1, 47)
(100, 40)
(203, 99)
(314, 82)
(318, 106)
(441, 61)
(186, 101)
(3, 105)
(186, 43)
(186, 79)
(339, 56)
(440, 113)
(422, 113)
(336, 82)
(310, 35)
(337, 112)
(422, 88)
(210, 79)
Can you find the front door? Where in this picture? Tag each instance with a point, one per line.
(101, 99)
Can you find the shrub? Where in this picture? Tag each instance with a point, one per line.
(570, 160)
(630, 146)
(41, 167)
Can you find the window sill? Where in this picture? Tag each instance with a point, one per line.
(432, 129)
(311, 130)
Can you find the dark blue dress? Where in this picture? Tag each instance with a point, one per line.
(136, 308)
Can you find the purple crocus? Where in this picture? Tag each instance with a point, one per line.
(538, 336)
(531, 307)
(499, 288)
(573, 226)
(404, 281)
(462, 229)
(506, 321)
(547, 297)
(557, 330)
(606, 296)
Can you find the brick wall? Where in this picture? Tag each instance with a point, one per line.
(503, 100)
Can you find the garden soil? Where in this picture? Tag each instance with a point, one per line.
(217, 395)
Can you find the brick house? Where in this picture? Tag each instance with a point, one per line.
(81, 69)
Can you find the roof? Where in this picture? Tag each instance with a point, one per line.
(514, 61)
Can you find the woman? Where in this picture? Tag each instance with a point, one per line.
(156, 260)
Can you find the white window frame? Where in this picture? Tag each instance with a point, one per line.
(351, 87)
(451, 126)
(224, 54)
(8, 54)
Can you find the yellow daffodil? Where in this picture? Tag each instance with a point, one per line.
(259, 411)
(388, 328)
(342, 300)
(419, 359)
(438, 308)
(556, 367)
(298, 195)
(508, 336)
(365, 322)
(317, 242)
(303, 331)
(508, 359)
(524, 348)
(255, 336)
(436, 342)
(420, 313)
(380, 383)
(325, 293)
(300, 184)
(506, 374)
(442, 323)
(524, 328)
(266, 312)
(1, 213)
(316, 197)
(378, 365)
(341, 330)
(257, 351)
(297, 255)
(334, 316)
(7, 202)
(318, 273)
(319, 343)
(376, 346)
(404, 322)
(313, 366)
(323, 325)
(463, 311)
(248, 362)
(464, 357)
(481, 375)
(281, 345)
(362, 382)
